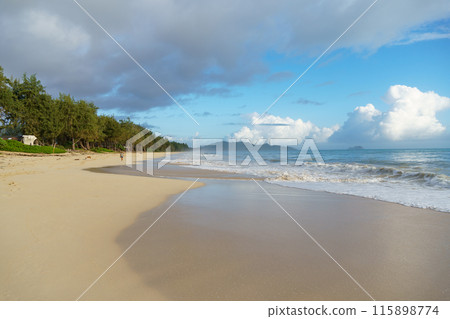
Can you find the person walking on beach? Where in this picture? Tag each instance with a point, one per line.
(121, 156)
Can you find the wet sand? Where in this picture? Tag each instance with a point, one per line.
(229, 241)
(173, 171)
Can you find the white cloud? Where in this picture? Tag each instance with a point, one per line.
(187, 45)
(361, 126)
(366, 113)
(412, 114)
(53, 31)
(427, 36)
(271, 126)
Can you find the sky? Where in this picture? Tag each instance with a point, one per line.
(384, 83)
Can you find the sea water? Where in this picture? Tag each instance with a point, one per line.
(412, 177)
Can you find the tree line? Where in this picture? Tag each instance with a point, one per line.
(27, 109)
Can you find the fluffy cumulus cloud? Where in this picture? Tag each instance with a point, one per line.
(271, 126)
(188, 46)
(411, 116)
(362, 125)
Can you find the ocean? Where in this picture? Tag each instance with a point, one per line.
(412, 177)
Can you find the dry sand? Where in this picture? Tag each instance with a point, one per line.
(62, 225)
(59, 222)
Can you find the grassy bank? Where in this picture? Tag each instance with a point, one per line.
(101, 150)
(16, 146)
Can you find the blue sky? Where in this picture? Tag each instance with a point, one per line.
(225, 62)
(341, 81)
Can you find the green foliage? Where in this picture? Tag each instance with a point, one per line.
(60, 147)
(32, 102)
(80, 121)
(26, 108)
(178, 147)
(101, 150)
(9, 106)
(164, 144)
(128, 130)
(16, 146)
(110, 129)
(51, 123)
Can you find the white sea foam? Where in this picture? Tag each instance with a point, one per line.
(409, 185)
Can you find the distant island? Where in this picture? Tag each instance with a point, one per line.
(356, 148)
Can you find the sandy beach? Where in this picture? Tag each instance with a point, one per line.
(59, 221)
(229, 241)
(66, 219)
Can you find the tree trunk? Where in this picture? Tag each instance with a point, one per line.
(82, 145)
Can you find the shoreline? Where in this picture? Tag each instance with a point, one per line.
(225, 175)
(67, 220)
(175, 171)
(229, 241)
